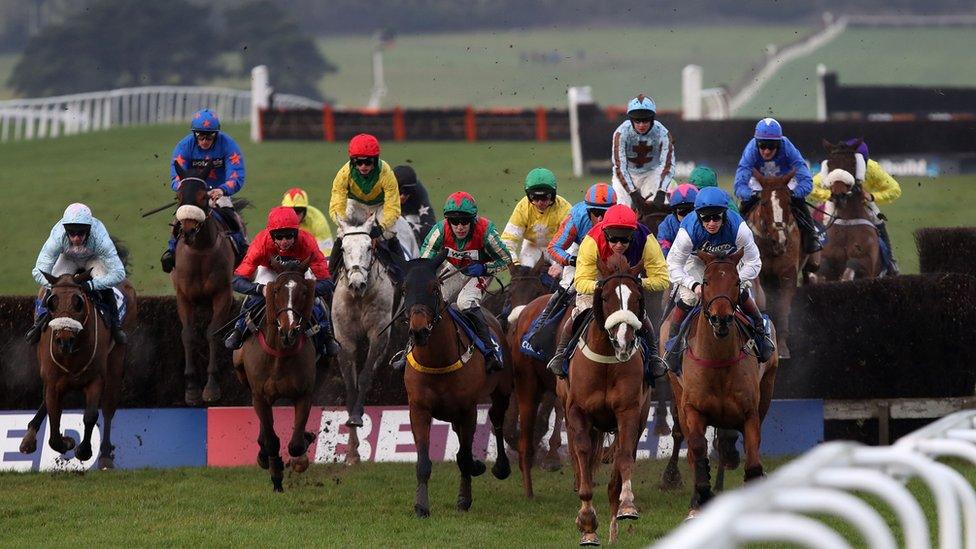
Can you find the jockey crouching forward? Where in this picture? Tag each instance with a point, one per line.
(366, 185)
(312, 219)
(80, 242)
(474, 252)
(714, 228)
(535, 219)
(284, 239)
(619, 232)
(642, 155)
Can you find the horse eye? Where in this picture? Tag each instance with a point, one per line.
(79, 303)
(52, 302)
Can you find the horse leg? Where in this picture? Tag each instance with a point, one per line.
(28, 445)
(110, 401)
(661, 427)
(420, 425)
(300, 439)
(352, 453)
(694, 424)
(784, 304)
(628, 434)
(727, 453)
(671, 478)
(52, 399)
(376, 349)
(269, 442)
(585, 445)
(93, 397)
(222, 306)
(546, 401)
(528, 406)
(496, 413)
(192, 394)
(551, 461)
(467, 465)
(614, 487)
(751, 436)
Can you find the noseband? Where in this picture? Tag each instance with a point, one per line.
(372, 255)
(714, 319)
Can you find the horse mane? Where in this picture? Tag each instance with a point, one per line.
(615, 264)
(123, 251)
(357, 218)
(287, 265)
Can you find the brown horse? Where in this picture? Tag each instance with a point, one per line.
(202, 279)
(721, 383)
(778, 238)
(446, 379)
(76, 351)
(853, 248)
(605, 392)
(279, 362)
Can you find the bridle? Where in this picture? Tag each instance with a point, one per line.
(88, 310)
(191, 234)
(714, 320)
(372, 255)
(278, 312)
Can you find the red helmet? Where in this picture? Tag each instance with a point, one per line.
(282, 217)
(620, 216)
(364, 145)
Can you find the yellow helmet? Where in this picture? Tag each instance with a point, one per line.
(295, 198)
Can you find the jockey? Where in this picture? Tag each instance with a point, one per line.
(414, 203)
(704, 177)
(474, 252)
(715, 229)
(535, 218)
(682, 202)
(312, 219)
(207, 144)
(80, 241)
(282, 237)
(643, 155)
(770, 152)
(366, 184)
(619, 232)
(878, 188)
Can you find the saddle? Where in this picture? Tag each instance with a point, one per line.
(464, 323)
(539, 341)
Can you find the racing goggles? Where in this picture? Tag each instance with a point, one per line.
(364, 161)
(284, 234)
(682, 209)
(768, 144)
(204, 135)
(707, 216)
(535, 196)
(460, 221)
(619, 236)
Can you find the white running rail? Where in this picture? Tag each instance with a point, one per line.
(823, 482)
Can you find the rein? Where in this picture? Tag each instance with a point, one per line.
(464, 355)
(88, 308)
(262, 339)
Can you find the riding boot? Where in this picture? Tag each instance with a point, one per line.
(657, 366)
(330, 343)
(236, 337)
(554, 300)
(672, 357)
(168, 259)
(883, 233)
(764, 343)
(809, 235)
(335, 257)
(396, 257)
(477, 317)
(555, 365)
(112, 310)
(34, 334)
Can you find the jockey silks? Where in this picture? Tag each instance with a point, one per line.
(635, 153)
(787, 158)
(224, 157)
(483, 245)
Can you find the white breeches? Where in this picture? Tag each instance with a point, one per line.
(530, 254)
(648, 183)
(466, 291)
(69, 266)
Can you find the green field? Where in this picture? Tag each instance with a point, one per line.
(124, 171)
(330, 505)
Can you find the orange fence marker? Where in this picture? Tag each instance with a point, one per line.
(399, 126)
(328, 124)
(470, 130)
(541, 125)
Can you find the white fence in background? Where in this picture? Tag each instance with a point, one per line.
(86, 112)
(776, 509)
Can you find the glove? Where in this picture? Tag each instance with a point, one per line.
(572, 261)
(475, 269)
(324, 287)
(659, 198)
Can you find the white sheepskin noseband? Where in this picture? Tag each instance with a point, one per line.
(189, 211)
(65, 323)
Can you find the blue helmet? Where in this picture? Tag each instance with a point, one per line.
(685, 193)
(204, 120)
(711, 197)
(769, 128)
(641, 107)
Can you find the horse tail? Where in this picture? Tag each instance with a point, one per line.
(123, 251)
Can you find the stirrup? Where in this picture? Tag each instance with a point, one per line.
(399, 360)
(555, 365)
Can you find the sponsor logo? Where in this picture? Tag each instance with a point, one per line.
(925, 167)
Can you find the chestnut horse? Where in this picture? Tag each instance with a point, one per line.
(76, 351)
(853, 248)
(721, 383)
(201, 278)
(279, 362)
(445, 379)
(605, 392)
(778, 238)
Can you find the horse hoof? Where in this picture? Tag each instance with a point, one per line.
(463, 504)
(421, 512)
(784, 353)
(628, 512)
(354, 421)
(661, 428)
(29, 444)
(263, 461)
(193, 397)
(276, 483)
(299, 464)
(692, 515)
(84, 452)
(589, 540)
(671, 480)
(501, 470)
(106, 463)
(352, 458)
(478, 468)
(211, 393)
(68, 444)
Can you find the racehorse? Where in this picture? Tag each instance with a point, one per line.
(363, 307)
(721, 383)
(446, 379)
(279, 362)
(605, 392)
(853, 248)
(778, 238)
(201, 278)
(76, 351)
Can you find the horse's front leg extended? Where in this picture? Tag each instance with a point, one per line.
(377, 349)
(467, 465)
(52, 399)
(93, 396)
(192, 394)
(496, 413)
(300, 439)
(751, 434)
(269, 443)
(223, 304)
(585, 445)
(420, 420)
(28, 445)
(694, 424)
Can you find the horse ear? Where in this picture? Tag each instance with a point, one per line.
(785, 178)
(738, 255)
(705, 256)
(828, 146)
(440, 257)
(180, 172)
(636, 269)
(50, 278)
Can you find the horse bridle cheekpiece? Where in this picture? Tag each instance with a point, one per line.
(713, 320)
(627, 276)
(277, 314)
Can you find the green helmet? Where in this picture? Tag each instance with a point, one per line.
(539, 179)
(703, 177)
(460, 204)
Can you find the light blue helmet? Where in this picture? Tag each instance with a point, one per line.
(77, 214)
(711, 198)
(641, 107)
(204, 120)
(769, 128)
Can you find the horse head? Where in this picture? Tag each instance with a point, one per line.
(69, 308)
(843, 170)
(619, 303)
(422, 298)
(773, 217)
(194, 202)
(357, 251)
(720, 289)
(290, 297)
(526, 283)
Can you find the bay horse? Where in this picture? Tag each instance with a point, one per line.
(362, 307)
(778, 238)
(202, 279)
(279, 363)
(77, 351)
(721, 383)
(853, 248)
(446, 379)
(605, 392)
